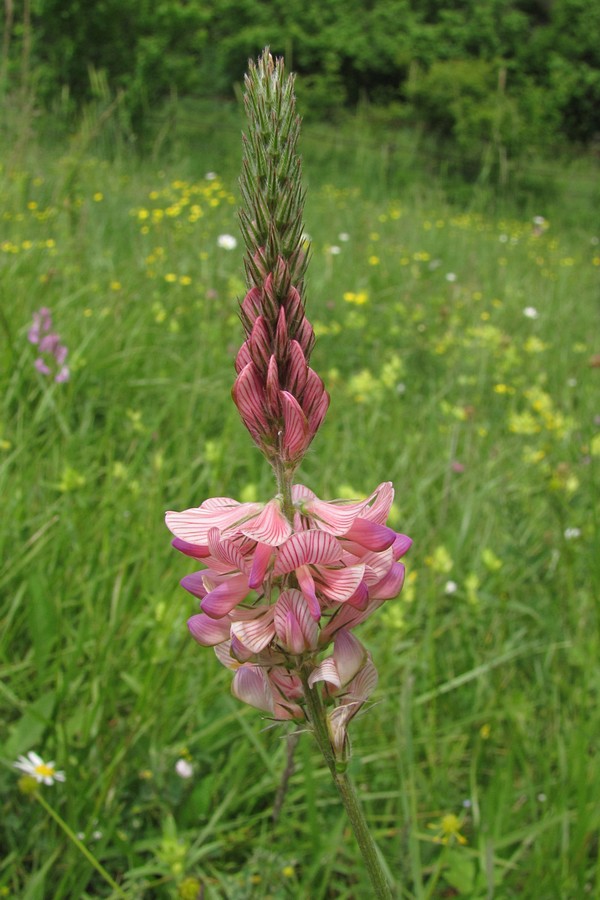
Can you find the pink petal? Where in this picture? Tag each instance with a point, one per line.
(260, 564)
(390, 586)
(224, 554)
(197, 551)
(349, 655)
(243, 357)
(339, 584)
(370, 534)
(325, 671)
(225, 597)
(270, 526)
(195, 584)
(360, 597)
(257, 633)
(347, 616)
(401, 545)
(305, 547)
(193, 525)
(297, 369)
(335, 516)
(259, 344)
(295, 426)
(286, 685)
(250, 685)
(223, 654)
(364, 682)
(307, 586)
(249, 396)
(208, 632)
(379, 503)
(294, 624)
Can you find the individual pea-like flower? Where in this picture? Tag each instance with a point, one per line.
(34, 765)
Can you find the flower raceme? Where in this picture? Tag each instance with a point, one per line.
(276, 593)
(284, 581)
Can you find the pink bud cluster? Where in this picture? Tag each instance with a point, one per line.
(275, 594)
(281, 400)
(52, 353)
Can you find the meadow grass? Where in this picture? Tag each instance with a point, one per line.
(460, 347)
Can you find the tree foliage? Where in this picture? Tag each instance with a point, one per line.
(440, 63)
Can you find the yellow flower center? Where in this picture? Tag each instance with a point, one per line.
(44, 770)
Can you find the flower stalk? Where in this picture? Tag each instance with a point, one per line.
(286, 582)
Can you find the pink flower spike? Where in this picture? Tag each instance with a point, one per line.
(41, 366)
(62, 375)
(208, 632)
(295, 626)
(251, 685)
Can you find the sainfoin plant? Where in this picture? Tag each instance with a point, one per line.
(285, 583)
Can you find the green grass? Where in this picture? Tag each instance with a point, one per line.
(485, 419)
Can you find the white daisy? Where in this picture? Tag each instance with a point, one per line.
(184, 768)
(34, 765)
(227, 242)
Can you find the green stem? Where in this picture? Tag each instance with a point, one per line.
(347, 791)
(80, 846)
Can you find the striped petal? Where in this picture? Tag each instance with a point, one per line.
(305, 547)
(295, 426)
(339, 584)
(295, 626)
(307, 586)
(325, 671)
(249, 396)
(251, 685)
(257, 633)
(349, 655)
(193, 525)
(270, 526)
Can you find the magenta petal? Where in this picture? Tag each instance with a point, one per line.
(208, 632)
(360, 597)
(304, 547)
(251, 685)
(225, 597)
(194, 584)
(378, 505)
(401, 545)
(390, 586)
(297, 369)
(197, 551)
(371, 535)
